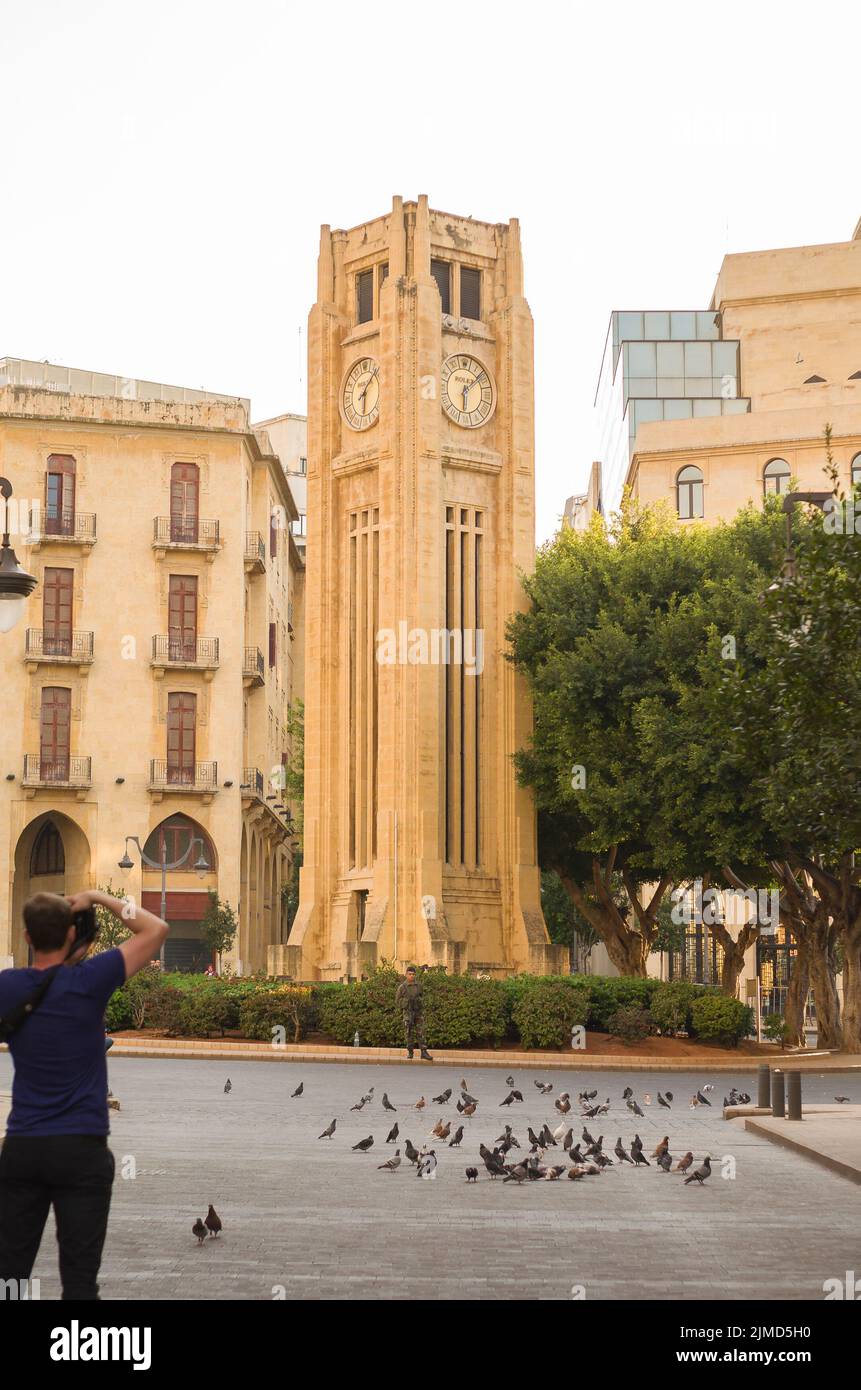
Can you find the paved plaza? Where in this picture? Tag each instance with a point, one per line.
(320, 1221)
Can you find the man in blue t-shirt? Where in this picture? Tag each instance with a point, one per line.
(56, 1148)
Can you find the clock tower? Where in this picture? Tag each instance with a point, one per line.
(419, 844)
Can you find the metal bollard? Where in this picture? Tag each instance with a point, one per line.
(778, 1095)
(763, 1098)
(793, 1095)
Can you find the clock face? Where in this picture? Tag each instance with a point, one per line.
(468, 394)
(361, 395)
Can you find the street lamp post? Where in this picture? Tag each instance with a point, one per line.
(790, 569)
(201, 868)
(15, 584)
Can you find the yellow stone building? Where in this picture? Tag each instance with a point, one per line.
(145, 692)
(708, 410)
(418, 842)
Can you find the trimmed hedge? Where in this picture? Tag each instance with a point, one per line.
(459, 1010)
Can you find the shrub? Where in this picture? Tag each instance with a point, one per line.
(291, 1007)
(119, 1011)
(206, 1011)
(630, 1023)
(775, 1028)
(545, 1011)
(716, 1017)
(671, 1004)
(367, 1006)
(607, 994)
(165, 1009)
(458, 1010)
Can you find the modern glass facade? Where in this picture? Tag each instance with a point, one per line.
(660, 365)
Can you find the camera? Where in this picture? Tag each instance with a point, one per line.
(86, 927)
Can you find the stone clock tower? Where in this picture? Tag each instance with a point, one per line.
(419, 845)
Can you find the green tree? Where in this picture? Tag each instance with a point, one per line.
(566, 925)
(219, 925)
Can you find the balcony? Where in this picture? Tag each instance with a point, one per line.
(197, 779)
(255, 553)
(252, 782)
(253, 668)
(49, 649)
(76, 529)
(186, 533)
(184, 654)
(57, 774)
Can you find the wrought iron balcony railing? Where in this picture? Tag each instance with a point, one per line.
(66, 525)
(255, 551)
(253, 666)
(252, 781)
(58, 771)
(185, 651)
(199, 777)
(186, 533)
(74, 647)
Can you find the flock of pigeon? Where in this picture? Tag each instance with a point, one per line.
(584, 1158)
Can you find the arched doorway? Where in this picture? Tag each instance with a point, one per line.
(52, 856)
(187, 888)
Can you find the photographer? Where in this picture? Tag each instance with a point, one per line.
(56, 1148)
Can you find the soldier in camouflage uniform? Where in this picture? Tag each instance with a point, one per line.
(409, 999)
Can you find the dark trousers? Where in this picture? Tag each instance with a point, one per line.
(414, 1030)
(74, 1173)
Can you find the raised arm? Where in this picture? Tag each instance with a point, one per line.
(148, 931)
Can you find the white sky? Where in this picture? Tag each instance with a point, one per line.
(166, 167)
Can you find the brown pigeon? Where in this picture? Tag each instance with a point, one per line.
(213, 1221)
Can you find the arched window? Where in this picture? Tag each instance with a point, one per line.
(775, 477)
(176, 834)
(856, 470)
(48, 855)
(689, 492)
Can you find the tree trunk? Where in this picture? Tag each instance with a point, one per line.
(733, 954)
(850, 938)
(796, 994)
(627, 949)
(823, 982)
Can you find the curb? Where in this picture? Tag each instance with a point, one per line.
(836, 1165)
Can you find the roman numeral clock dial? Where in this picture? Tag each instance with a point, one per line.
(360, 399)
(468, 392)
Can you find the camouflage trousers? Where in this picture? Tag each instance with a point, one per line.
(414, 1031)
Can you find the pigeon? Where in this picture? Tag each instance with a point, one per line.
(842, 1100)
(364, 1144)
(603, 1109)
(601, 1159)
(427, 1165)
(445, 1131)
(596, 1146)
(627, 1093)
(587, 1138)
(639, 1157)
(665, 1162)
(228, 1086)
(534, 1139)
(420, 1103)
(544, 1087)
(560, 1132)
(516, 1096)
(469, 1110)
(454, 1142)
(393, 1133)
(411, 1152)
(471, 1174)
(635, 1109)
(554, 1173)
(213, 1221)
(668, 1094)
(436, 1132)
(494, 1165)
(369, 1096)
(684, 1163)
(509, 1099)
(665, 1103)
(647, 1099)
(392, 1165)
(360, 1105)
(575, 1155)
(387, 1104)
(444, 1098)
(516, 1173)
(299, 1089)
(662, 1146)
(199, 1230)
(509, 1081)
(327, 1133)
(709, 1087)
(568, 1140)
(563, 1103)
(700, 1174)
(547, 1138)
(701, 1098)
(575, 1174)
(620, 1153)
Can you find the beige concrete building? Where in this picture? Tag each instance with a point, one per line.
(709, 410)
(418, 842)
(145, 693)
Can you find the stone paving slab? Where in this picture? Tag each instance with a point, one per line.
(319, 1221)
(828, 1134)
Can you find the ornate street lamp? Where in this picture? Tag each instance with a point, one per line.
(789, 573)
(15, 584)
(201, 867)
